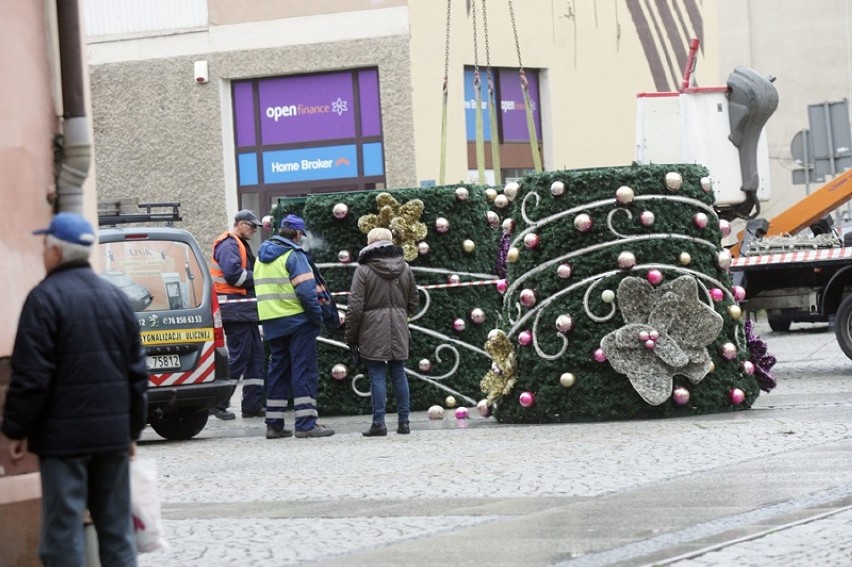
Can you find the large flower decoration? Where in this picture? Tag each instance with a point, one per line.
(760, 357)
(402, 220)
(677, 324)
(500, 380)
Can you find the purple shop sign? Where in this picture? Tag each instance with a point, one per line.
(512, 112)
(306, 109)
(244, 114)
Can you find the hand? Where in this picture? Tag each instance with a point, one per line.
(16, 448)
(356, 355)
(132, 451)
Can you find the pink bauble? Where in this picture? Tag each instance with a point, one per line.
(706, 184)
(599, 355)
(340, 211)
(338, 371)
(344, 256)
(528, 298)
(583, 222)
(526, 399)
(737, 396)
(477, 315)
(423, 248)
(453, 279)
(508, 226)
(680, 395)
(700, 220)
(564, 271)
(748, 367)
(728, 351)
(564, 323)
(644, 336)
(646, 218)
(462, 194)
(654, 334)
(724, 259)
(492, 218)
(525, 338)
(425, 365)
(462, 413)
(739, 292)
(483, 408)
(459, 325)
(501, 201)
(725, 227)
(531, 240)
(626, 260)
(655, 277)
(650, 344)
(717, 294)
(557, 188)
(502, 286)
(442, 225)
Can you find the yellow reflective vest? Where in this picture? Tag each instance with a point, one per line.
(276, 296)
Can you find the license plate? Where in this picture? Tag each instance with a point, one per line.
(163, 362)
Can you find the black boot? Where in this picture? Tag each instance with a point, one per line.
(403, 428)
(376, 430)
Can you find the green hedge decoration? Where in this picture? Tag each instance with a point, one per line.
(459, 360)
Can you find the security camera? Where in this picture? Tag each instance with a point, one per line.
(201, 72)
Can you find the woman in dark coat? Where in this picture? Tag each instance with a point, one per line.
(382, 297)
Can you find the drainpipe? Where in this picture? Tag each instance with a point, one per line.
(76, 143)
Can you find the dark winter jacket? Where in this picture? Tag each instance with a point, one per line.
(382, 297)
(78, 369)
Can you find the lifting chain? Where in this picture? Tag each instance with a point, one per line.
(492, 103)
(515, 33)
(447, 48)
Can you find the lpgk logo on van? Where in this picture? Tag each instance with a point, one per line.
(338, 106)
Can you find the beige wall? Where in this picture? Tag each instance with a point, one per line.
(806, 46)
(27, 122)
(594, 66)
(225, 12)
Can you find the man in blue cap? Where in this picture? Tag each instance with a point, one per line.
(291, 315)
(77, 398)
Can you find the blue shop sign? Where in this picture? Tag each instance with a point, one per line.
(310, 164)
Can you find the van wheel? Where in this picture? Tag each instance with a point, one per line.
(778, 322)
(181, 424)
(843, 326)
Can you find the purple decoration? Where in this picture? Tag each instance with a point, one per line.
(762, 360)
(505, 244)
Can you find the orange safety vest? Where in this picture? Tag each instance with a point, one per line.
(219, 283)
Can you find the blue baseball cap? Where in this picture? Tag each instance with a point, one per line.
(70, 227)
(294, 222)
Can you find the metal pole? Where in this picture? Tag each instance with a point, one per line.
(826, 108)
(807, 159)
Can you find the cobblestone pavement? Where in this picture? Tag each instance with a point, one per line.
(752, 488)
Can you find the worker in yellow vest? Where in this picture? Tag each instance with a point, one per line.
(290, 312)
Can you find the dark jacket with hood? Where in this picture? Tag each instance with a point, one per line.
(79, 378)
(382, 297)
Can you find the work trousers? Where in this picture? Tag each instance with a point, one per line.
(70, 485)
(293, 368)
(246, 360)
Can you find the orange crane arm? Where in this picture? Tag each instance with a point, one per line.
(809, 210)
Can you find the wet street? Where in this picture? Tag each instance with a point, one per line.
(768, 486)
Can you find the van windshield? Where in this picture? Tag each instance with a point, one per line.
(157, 275)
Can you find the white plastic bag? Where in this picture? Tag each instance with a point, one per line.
(145, 506)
